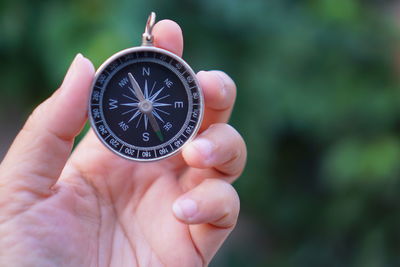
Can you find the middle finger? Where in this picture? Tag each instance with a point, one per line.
(219, 96)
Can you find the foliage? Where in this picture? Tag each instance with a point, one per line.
(317, 105)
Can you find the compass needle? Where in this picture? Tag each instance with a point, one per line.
(160, 136)
(136, 87)
(155, 126)
(146, 90)
(132, 91)
(146, 119)
(145, 102)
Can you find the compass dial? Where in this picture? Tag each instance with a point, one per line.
(145, 103)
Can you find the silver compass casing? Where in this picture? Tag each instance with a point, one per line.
(146, 49)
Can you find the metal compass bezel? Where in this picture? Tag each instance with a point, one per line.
(160, 51)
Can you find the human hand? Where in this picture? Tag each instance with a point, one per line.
(93, 208)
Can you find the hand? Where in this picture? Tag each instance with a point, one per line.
(93, 208)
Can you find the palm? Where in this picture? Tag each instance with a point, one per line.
(123, 209)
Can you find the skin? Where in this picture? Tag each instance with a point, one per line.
(93, 208)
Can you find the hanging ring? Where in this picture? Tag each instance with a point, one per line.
(147, 37)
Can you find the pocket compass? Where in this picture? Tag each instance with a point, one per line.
(146, 102)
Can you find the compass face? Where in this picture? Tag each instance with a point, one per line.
(145, 103)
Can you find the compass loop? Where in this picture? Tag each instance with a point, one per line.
(147, 37)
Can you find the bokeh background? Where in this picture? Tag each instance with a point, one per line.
(318, 105)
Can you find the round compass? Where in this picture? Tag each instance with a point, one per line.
(146, 102)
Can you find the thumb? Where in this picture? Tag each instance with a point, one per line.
(39, 152)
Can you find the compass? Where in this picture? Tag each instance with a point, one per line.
(146, 102)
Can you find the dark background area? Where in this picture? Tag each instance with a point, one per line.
(318, 105)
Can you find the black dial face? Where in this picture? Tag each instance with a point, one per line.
(145, 104)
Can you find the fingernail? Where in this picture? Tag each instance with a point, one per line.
(206, 148)
(223, 78)
(72, 71)
(185, 209)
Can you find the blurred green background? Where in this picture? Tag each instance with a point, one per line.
(318, 105)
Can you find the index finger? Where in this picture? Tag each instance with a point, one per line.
(168, 36)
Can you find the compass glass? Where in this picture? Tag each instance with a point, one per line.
(145, 103)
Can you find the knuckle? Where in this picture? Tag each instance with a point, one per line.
(231, 208)
(35, 117)
(232, 146)
(237, 140)
(40, 111)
